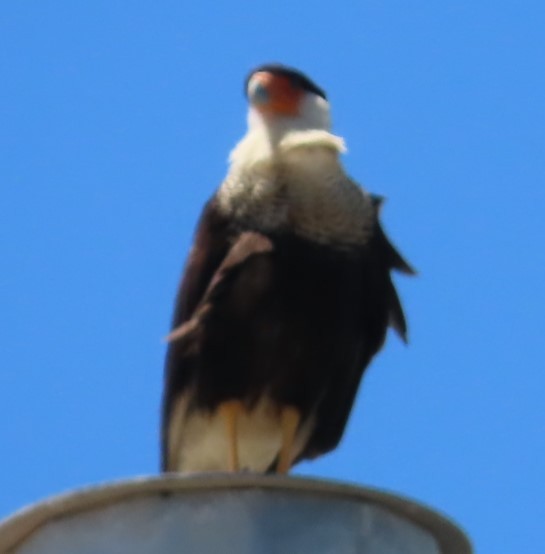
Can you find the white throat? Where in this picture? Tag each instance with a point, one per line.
(286, 174)
(267, 139)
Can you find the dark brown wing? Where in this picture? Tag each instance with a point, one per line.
(215, 261)
(380, 309)
(210, 246)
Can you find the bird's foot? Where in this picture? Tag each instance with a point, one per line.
(230, 411)
(290, 418)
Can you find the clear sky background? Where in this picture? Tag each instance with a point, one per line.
(116, 119)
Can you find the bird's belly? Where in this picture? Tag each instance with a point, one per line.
(205, 446)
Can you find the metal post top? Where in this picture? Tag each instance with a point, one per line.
(237, 509)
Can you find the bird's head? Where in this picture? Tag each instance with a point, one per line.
(284, 99)
(286, 111)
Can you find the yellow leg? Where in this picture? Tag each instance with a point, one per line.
(289, 420)
(229, 411)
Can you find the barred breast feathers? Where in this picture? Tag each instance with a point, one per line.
(297, 184)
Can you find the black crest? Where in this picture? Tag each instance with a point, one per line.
(298, 78)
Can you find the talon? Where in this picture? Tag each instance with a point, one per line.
(289, 421)
(229, 411)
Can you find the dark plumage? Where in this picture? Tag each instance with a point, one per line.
(272, 328)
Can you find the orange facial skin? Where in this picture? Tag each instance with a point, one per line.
(283, 96)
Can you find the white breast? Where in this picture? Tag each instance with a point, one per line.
(303, 187)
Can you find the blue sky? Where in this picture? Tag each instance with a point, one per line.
(115, 124)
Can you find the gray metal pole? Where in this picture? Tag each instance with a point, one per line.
(242, 514)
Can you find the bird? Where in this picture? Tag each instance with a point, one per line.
(286, 295)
